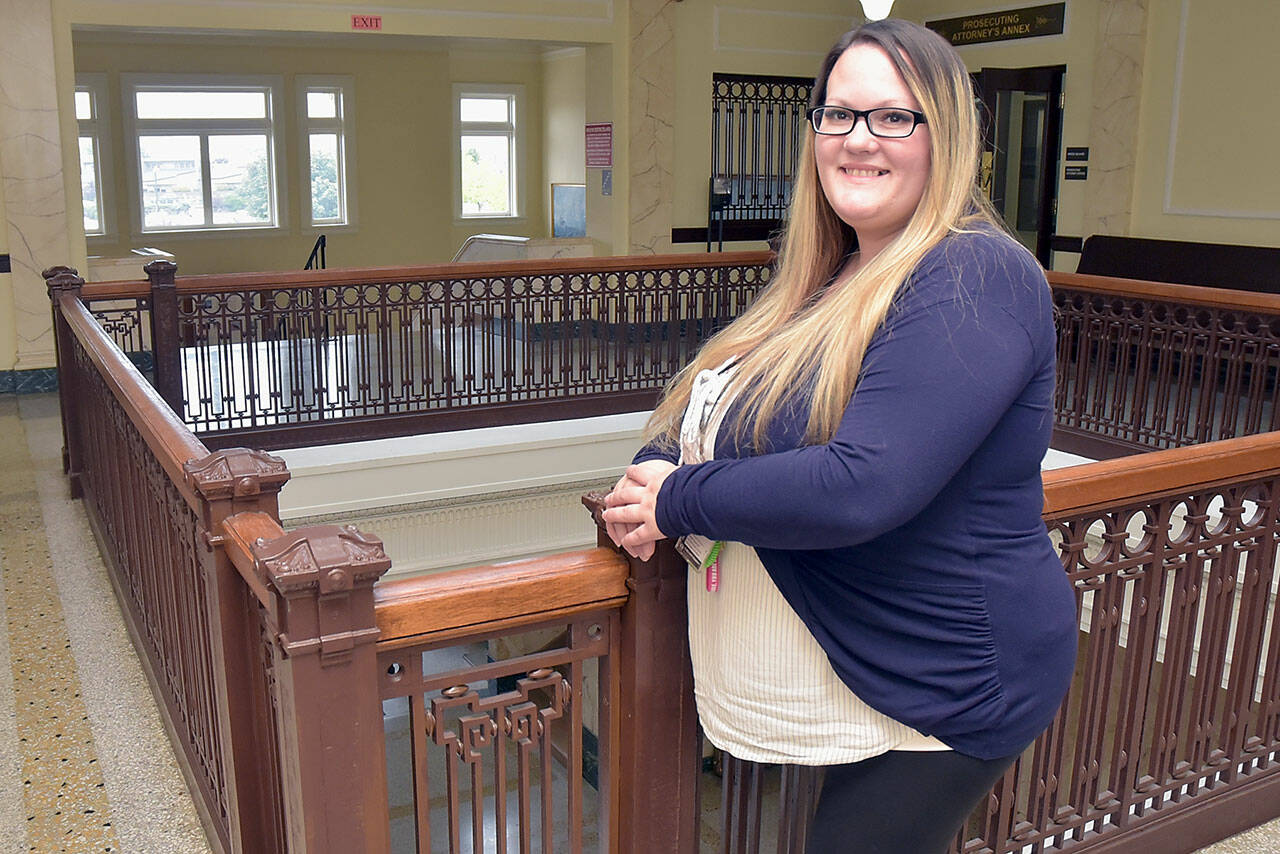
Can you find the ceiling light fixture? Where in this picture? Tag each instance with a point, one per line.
(876, 9)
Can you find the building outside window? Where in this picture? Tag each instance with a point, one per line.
(204, 152)
(487, 123)
(325, 116)
(94, 132)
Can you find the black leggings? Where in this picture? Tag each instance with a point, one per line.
(900, 802)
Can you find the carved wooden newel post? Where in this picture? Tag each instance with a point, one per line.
(659, 751)
(333, 759)
(228, 482)
(165, 343)
(65, 281)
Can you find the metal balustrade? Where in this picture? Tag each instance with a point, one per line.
(272, 653)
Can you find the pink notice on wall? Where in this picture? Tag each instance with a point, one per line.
(599, 144)
(366, 22)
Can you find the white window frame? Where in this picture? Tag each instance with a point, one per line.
(343, 126)
(272, 126)
(98, 128)
(513, 129)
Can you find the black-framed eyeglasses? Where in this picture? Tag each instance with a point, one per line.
(886, 122)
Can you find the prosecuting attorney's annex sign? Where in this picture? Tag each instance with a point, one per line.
(1026, 23)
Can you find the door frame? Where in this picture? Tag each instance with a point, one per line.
(1048, 79)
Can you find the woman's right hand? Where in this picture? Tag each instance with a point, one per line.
(632, 506)
(618, 530)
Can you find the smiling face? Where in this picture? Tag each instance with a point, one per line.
(873, 184)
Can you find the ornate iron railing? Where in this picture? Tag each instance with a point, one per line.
(506, 746)
(259, 645)
(308, 358)
(757, 126)
(325, 356)
(1145, 366)
(1170, 735)
(1172, 724)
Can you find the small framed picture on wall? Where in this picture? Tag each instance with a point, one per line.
(568, 210)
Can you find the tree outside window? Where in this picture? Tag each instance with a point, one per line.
(486, 123)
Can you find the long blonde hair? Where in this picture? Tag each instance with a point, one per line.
(790, 340)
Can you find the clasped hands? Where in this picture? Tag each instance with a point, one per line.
(630, 508)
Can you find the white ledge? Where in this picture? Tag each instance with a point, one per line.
(386, 473)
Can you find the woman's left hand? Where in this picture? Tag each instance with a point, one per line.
(633, 505)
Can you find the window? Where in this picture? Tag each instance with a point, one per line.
(487, 121)
(324, 114)
(205, 152)
(95, 160)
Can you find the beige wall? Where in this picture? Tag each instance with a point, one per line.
(564, 113)
(402, 142)
(1184, 179)
(738, 37)
(1209, 124)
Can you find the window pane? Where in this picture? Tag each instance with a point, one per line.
(84, 105)
(326, 198)
(240, 179)
(89, 185)
(321, 104)
(171, 185)
(202, 105)
(485, 109)
(486, 176)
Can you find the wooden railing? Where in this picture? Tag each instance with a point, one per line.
(302, 358)
(260, 647)
(1169, 737)
(285, 359)
(272, 656)
(1145, 365)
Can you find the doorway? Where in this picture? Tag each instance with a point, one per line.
(1022, 135)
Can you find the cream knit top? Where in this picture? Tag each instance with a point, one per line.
(765, 690)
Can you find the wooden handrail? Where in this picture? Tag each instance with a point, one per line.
(239, 533)
(1221, 298)
(505, 597)
(165, 434)
(208, 283)
(1080, 488)
(223, 282)
(1190, 294)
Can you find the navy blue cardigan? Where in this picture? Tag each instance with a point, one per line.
(912, 544)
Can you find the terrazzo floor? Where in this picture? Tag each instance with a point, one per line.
(85, 765)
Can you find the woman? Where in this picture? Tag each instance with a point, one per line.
(859, 480)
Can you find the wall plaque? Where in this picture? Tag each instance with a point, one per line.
(1046, 20)
(1076, 173)
(1078, 154)
(599, 144)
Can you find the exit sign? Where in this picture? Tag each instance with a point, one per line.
(366, 22)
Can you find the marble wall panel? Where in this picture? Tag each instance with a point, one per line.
(651, 110)
(1113, 133)
(31, 170)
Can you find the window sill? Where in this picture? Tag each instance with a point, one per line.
(212, 233)
(489, 220)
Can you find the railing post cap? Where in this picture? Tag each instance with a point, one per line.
(329, 558)
(62, 278)
(159, 265)
(236, 473)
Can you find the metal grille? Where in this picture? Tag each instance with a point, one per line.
(757, 126)
(1144, 374)
(127, 322)
(501, 751)
(154, 546)
(260, 358)
(1176, 698)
